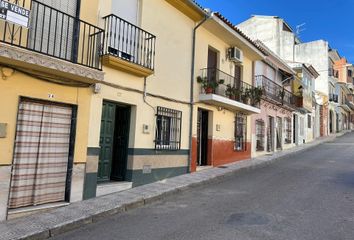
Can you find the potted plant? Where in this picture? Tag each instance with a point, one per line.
(208, 86)
(256, 95)
(230, 91)
(245, 96)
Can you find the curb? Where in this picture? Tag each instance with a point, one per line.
(79, 214)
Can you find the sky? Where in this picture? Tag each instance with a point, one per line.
(332, 21)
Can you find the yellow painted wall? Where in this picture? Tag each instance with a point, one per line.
(225, 118)
(171, 78)
(23, 85)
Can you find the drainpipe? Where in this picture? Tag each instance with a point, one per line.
(210, 15)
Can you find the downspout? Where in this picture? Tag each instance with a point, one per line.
(192, 88)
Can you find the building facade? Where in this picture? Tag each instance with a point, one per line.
(47, 73)
(276, 34)
(273, 129)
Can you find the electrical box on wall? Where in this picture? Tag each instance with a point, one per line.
(3, 128)
(146, 129)
(218, 127)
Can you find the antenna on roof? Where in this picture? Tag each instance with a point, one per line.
(300, 28)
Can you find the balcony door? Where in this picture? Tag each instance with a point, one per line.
(212, 65)
(53, 26)
(126, 9)
(238, 76)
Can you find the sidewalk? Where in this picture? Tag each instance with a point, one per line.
(45, 225)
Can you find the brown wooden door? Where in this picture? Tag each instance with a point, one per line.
(212, 64)
(238, 76)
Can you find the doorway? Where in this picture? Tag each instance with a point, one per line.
(279, 133)
(212, 65)
(295, 129)
(270, 135)
(114, 139)
(43, 153)
(331, 121)
(202, 137)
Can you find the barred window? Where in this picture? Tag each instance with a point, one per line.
(240, 132)
(260, 130)
(168, 129)
(287, 130)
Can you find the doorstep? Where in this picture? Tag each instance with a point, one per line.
(26, 211)
(112, 187)
(202, 168)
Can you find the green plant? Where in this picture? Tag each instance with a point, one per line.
(233, 92)
(246, 94)
(256, 95)
(207, 85)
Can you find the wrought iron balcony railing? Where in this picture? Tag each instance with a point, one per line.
(129, 42)
(276, 92)
(217, 82)
(56, 34)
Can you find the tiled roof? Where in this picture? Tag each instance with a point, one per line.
(236, 29)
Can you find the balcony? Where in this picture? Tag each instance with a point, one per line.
(277, 94)
(333, 97)
(128, 47)
(55, 43)
(223, 90)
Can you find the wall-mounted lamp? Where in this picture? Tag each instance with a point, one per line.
(6, 72)
(220, 109)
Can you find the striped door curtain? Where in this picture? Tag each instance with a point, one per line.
(41, 154)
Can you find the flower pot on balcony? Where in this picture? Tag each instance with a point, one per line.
(209, 90)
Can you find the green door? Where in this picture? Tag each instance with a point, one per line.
(106, 141)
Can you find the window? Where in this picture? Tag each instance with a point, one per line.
(168, 129)
(287, 130)
(260, 129)
(240, 132)
(309, 124)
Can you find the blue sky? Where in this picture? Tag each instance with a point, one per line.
(329, 20)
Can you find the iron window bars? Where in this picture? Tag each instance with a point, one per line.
(129, 42)
(260, 133)
(56, 34)
(240, 132)
(168, 129)
(287, 130)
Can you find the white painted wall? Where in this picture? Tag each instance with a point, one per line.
(316, 54)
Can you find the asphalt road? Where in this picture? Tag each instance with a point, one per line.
(306, 197)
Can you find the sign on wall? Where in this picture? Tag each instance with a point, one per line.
(13, 13)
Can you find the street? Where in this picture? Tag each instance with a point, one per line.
(308, 196)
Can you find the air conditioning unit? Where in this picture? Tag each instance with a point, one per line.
(236, 55)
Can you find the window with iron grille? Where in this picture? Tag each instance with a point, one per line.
(240, 132)
(287, 130)
(168, 129)
(260, 130)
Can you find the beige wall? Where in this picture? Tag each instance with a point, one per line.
(23, 85)
(171, 78)
(142, 113)
(224, 118)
